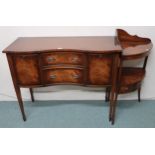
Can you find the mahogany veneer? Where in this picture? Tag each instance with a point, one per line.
(131, 78)
(63, 58)
(63, 75)
(86, 61)
(26, 68)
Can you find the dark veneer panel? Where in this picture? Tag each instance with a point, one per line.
(27, 69)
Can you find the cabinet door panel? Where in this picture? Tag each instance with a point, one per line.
(26, 67)
(100, 69)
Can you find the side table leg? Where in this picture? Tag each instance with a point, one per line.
(111, 105)
(139, 92)
(32, 96)
(107, 96)
(114, 104)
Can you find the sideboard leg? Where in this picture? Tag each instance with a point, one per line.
(111, 105)
(114, 89)
(19, 97)
(107, 96)
(139, 92)
(114, 108)
(32, 96)
(17, 88)
(110, 112)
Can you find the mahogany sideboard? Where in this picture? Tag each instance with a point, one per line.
(85, 61)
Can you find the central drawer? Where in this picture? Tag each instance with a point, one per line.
(63, 75)
(55, 58)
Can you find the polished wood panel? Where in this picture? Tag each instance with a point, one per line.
(100, 69)
(27, 70)
(84, 44)
(63, 75)
(62, 58)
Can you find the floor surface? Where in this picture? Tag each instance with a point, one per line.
(77, 114)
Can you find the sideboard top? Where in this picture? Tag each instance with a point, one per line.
(131, 46)
(39, 44)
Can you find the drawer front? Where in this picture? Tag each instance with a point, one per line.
(100, 69)
(63, 76)
(26, 67)
(62, 58)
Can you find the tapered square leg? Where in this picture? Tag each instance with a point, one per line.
(17, 88)
(111, 97)
(114, 104)
(107, 96)
(31, 93)
(139, 92)
(19, 97)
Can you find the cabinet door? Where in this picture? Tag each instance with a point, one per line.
(27, 69)
(100, 69)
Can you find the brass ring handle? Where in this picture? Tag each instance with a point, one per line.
(100, 56)
(52, 76)
(75, 59)
(24, 56)
(76, 76)
(51, 59)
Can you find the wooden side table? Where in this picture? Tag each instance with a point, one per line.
(130, 78)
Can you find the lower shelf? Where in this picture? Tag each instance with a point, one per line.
(131, 79)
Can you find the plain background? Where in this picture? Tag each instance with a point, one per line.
(9, 34)
(77, 13)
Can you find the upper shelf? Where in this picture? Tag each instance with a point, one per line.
(133, 45)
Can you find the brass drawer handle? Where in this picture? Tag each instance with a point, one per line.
(100, 56)
(25, 56)
(73, 76)
(75, 59)
(51, 59)
(52, 76)
(76, 76)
